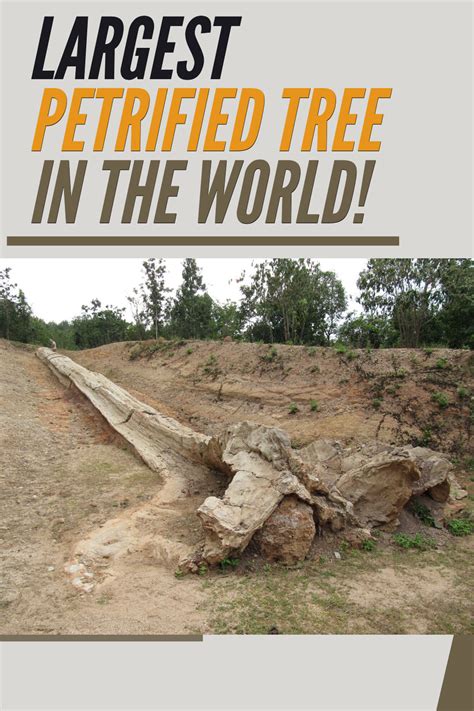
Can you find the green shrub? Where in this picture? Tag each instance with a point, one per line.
(368, 545)
(441, 399)
(227, 563)
(426, 437)
(418, 541)
(189, 351)
(271, 355)
(442, 364)
(462, 392)
(460, 527)
(340, 348)
(428, 351)
(376, 403)
(293, 408)
(314, 405)
(423, 513)
(399, 373)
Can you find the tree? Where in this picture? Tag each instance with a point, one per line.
(193, 309)
(292, 300)
(153, 293)
(97, 326)
(15, 312)
(405, 291)
(138, 309)
(362, 331)
(227, 320)
(426, 300)
(456, 316)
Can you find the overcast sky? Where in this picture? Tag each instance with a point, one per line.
(57, 288)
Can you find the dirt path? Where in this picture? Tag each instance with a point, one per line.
(68, 485)
(63, 476)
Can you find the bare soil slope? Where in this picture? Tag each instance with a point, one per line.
(64, 474)
(388, 394)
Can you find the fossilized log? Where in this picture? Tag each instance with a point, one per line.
(146, 429)
(263, 471)
(345, 488)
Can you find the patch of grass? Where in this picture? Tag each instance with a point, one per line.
(313, 404)
(440, 398)
(368, 545)
(418, 541)
(376, 403)
(399, 373)
(271, 355)
(462, 392)
(426, 437)
(211, 367)
(293, 408)
(351, 355)
(311, 351)
(460, 527)
(103, 599)
(340, 348)
(442, 364)
(227, 563)
(423, 513)
(428, 351)
(189, 351)
(179, 574)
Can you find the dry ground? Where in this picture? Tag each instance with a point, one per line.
(64, 474)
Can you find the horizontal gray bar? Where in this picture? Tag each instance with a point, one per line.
(172, 241)
(101, 638)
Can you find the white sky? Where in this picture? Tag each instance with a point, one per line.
(57, 288)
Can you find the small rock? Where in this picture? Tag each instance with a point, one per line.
(337, 555)
(50, 568)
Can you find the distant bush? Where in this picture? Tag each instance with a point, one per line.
(314, 405)
(293, 408)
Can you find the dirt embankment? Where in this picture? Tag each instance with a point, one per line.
(399, 396)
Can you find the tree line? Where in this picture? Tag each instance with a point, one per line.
(404, 302)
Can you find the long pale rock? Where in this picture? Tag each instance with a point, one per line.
(144, 427)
